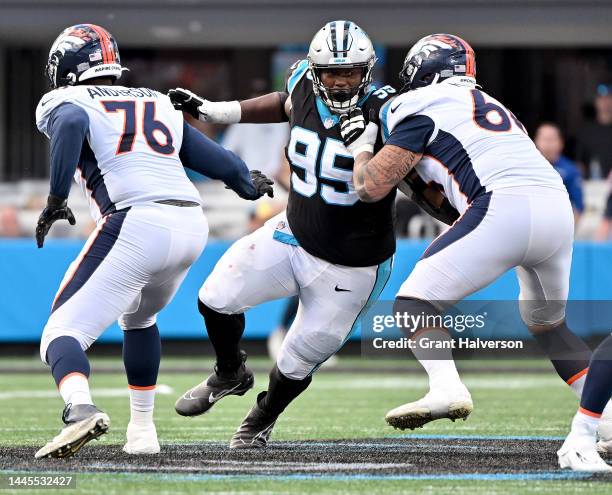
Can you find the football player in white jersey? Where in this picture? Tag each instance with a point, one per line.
(515, 213)
(126, 148)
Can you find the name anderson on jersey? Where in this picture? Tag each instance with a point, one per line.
(100, 91)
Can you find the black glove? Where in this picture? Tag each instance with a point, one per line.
(352, 125)
(262, 184)
(56, 209)
(414, 187)
(185, 100)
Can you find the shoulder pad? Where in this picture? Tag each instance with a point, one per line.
(405, 105)
(51, 100)
(294, 74)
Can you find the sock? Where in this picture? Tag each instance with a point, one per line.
(584, 426)
(598, 383)
(141, 357)
(438, 363)
(74, 389)
(224, 332)
(70, 369)
(568, 353)
(141, 406)
(281, 391)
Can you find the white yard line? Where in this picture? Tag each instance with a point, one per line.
(97, 392)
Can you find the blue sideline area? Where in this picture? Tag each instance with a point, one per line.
(30, 277)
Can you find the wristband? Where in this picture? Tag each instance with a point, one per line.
(220, 112)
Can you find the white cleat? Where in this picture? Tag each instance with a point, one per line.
(84, 423)
(141, 439)
(437, 404)
(604, 431)
(581, 456)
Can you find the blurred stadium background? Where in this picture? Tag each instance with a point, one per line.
(546, 60)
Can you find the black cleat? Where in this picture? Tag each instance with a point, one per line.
(255, 429)
(202, 397)
(84, 422)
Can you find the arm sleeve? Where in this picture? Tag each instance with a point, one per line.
(67, 129)
(574, 189)
(203, 155)
(412, 133)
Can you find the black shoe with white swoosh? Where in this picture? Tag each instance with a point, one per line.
(202, 397)
(256, 428)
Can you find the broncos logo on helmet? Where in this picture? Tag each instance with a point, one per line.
(82, 52)
(435, 58)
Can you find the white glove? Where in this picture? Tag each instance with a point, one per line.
(357, 136)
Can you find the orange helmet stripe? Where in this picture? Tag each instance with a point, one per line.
(108, 53)
(470, 58)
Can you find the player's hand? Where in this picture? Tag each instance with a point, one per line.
(186, 101)
(263, 185)
(352, 125)
(56, 209)
(357, 136)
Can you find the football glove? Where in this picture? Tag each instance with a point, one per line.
(56, 209)
(415, 188)
(217, 112)
(263, 185)
(356, 134)
(186, 101)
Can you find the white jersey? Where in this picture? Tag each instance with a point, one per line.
(131, 153)
(476, 145)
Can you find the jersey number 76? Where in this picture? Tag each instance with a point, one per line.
(149, 127)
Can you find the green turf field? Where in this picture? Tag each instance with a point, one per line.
(339, 405)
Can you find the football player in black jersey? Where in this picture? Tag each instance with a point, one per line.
(329, 248)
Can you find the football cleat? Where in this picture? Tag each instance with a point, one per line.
(437, 404)
(84, 422)
(141, 439)
(604, 431)
(256, 428)
(579, 454)
(202, 397)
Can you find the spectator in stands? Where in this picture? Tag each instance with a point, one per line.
(594, 142)
(549, 140)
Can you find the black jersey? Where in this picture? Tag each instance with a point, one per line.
(324, 211)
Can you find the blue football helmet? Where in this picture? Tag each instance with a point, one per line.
(82, 52)
(435, 58)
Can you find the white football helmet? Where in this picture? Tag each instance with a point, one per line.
(341, 44)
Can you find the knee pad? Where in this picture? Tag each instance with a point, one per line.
(414, 314)
(541, 312)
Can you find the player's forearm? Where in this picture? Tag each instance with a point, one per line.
(375, 176)
(268, 108)
(264, 109)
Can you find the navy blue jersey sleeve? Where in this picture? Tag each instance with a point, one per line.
(412, 133)
(67, 129)
(203, 155)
